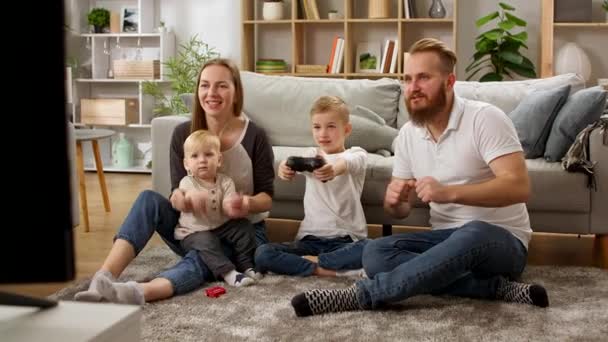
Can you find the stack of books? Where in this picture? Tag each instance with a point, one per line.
(271, 66)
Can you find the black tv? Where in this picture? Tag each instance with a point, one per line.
(37, 235)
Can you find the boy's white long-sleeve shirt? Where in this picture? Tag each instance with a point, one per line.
(333, 208)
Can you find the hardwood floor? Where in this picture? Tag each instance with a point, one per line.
(91, 248)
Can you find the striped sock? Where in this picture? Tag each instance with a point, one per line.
(315, 302)
(515, 292)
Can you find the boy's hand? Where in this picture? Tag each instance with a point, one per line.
(197, 200)
(285, 172)
(179, 202)
(236, 205)
(325, 173)
(398, 191)
(430, 190)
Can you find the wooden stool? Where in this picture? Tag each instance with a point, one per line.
(91, 135)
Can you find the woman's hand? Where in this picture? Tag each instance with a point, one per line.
(285, 172)
(179, 202)
(236, 205)
(197, 200)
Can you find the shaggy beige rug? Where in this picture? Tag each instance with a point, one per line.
(578, 311)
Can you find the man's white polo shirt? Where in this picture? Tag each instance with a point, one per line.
(476, 134)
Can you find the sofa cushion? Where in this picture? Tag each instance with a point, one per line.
(534, 116)
(368, 124)
(581, 109)
(281, 104)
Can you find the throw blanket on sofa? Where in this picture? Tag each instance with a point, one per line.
(577, 157)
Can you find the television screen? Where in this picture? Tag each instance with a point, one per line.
(37, 229)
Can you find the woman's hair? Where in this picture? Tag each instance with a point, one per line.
(199, 121)
(446, 55)
(201, 138)
(331, 104)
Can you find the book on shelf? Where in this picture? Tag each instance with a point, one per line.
(368, 58)
(409, 8)
(332, 55)
(339, 54)
(313, 9)
(393, 62)
(406, 55)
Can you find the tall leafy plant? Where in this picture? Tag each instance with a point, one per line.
(498, 48)
(182, 72)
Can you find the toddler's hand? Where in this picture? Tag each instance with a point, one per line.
(197, 200)
(179, 202)
(236, 205)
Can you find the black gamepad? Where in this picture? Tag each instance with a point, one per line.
(305, 163)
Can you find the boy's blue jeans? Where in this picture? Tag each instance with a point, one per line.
(339, 253)
(151, 213)
(468, 261)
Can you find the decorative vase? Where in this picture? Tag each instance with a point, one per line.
(571, 58)
(122, 152)
(272, 11)
(437, 10)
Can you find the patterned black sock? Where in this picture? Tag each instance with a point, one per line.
(315, 302)
(515, 292)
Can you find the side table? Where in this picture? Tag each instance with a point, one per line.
(92, 135)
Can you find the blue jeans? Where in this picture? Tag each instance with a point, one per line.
(285, 258)
(467, 261)
(151, 213)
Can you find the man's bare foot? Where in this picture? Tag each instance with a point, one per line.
(311, 258)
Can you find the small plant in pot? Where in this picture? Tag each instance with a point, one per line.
(99, 18)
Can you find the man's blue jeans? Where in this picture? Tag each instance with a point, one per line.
(466, 261)
(339, 253)
(151, 213)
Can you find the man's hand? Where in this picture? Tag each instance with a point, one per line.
(398, 191)
(236, 205)
(285, 172)
(325, 173)
(430, 190)
(179, 202)
(197, 200)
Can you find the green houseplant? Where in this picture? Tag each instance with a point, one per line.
(182, 72)
(498, 48)
(605, 7)
(99, 18)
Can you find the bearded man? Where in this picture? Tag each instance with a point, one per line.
(464, 159)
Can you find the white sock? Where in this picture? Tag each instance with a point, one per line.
(251, 273)
(124, 293)
(92, 293)
(359, 273)
(237, 279)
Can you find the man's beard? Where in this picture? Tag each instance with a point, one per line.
(424, 115)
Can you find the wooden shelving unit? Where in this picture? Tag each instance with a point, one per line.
(298, 40)
(548, 33)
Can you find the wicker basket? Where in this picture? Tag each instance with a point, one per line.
(147, 70)
(379, 9)
(311, 69)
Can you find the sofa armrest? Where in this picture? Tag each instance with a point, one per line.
(162, 131)
(598, 153)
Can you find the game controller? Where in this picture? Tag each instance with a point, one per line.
(305, 163)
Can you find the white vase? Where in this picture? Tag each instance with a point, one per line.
(571, 58)
(272, 11)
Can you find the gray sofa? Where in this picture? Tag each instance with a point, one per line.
(561, 202)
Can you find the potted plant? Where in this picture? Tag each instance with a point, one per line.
(498, 48)
(182, 71)
(272, 10)
(99, 18)
(605, 7)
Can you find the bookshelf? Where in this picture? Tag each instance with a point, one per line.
(589, 35)
(299, 40)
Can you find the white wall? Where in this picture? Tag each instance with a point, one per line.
(217, 23)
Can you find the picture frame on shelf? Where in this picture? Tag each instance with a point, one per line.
(129, 19)
(368, 57)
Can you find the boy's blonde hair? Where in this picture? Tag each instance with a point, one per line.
(332, 104)
(199, 139)
(446, 55)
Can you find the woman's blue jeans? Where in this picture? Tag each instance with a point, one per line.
(151, 213)
(467, 261)
(339, 253)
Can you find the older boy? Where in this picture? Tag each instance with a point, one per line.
(334, 226)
